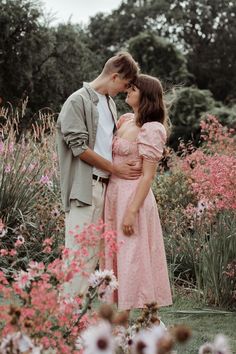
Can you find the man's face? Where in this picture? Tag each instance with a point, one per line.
(118, 84)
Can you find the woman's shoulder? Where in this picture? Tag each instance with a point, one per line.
(153, 128)
(124, 118)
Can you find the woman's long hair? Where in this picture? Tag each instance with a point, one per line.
(152, 107)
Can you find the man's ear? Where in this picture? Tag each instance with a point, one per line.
(114, 76)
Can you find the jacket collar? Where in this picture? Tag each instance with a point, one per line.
(91, 92)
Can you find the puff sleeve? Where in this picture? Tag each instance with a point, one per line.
(151, 141)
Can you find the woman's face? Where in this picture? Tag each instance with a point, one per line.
(133, 97)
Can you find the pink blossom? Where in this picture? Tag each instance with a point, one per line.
(3, 252)
(12, 253)
(45, 179)
(7, 168)
(23, 279)
(20, 241)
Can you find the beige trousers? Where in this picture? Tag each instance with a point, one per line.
(80, 216)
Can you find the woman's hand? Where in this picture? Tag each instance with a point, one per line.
(128, 222)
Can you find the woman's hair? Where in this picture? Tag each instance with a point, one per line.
(152, 107)
(124, 64)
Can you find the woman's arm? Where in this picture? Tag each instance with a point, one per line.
(148, 174)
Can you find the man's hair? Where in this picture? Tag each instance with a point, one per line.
(122, 63)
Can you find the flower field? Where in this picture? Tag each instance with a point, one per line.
(195, 189)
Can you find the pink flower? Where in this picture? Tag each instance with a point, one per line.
(23, 279)
(45, 180)
(4, 252)
(20, 241)
(12, 253)
(7, 168)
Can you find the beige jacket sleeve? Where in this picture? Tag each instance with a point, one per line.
(73, 127)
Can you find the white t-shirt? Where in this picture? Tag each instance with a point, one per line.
(103, 143)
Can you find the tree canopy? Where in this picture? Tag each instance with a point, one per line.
(183, 42)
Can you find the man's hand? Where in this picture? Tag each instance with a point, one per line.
(128, 170)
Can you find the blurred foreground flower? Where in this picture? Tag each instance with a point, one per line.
(219, 346)
(98, 339)
(18, 343)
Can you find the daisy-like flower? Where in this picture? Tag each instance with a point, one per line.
(79, 343)
(122, 339)
(18, 343)
(7, 168)
(141, 342)
(222, 345)
(23, 279)
(106, 276)
(219, 346)
(3, 229)
(21, 239)
(105, 281)
(44, 179)
(35, 268)
(55, 213)
(147, 341)
(98, 339)
(206, 348)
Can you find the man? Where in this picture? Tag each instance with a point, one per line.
(85, 130)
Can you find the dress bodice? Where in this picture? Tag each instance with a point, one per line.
(123, 148)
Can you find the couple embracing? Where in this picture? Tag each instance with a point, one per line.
(107, 167)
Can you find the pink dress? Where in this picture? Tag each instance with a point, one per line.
(140, 264)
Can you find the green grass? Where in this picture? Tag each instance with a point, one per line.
(205, 322)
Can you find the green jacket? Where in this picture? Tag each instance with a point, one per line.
(76, 131)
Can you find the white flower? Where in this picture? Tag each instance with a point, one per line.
(106, 276)
(95, 279)
(220, 345)
(23, 279)
(206, 348)
(3, 229)
(18, 343)
(105, 281)
(121, 338)
(20, 239)
(147, 340)
(141, 342)
(3, 232)
(79, 343)
(98, 339)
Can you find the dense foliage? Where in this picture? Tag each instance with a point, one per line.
(185, 43)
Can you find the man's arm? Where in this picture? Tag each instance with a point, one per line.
(127, 170)
(76, 137)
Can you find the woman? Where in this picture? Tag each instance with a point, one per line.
(130, 207)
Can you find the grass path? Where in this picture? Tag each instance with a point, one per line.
(205, 322)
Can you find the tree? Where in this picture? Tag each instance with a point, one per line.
(189, 105)
(71, 62)
(158, 57)
(109, 33)
(41, 62)
(22, 38)
(207, 31)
